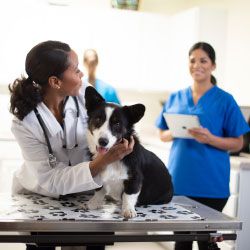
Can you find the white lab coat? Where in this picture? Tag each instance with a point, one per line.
(36, 174)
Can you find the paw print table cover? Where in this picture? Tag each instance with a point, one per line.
(37, 207)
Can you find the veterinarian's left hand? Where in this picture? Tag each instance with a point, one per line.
(116, 153)
(201, 135)
(122, 149)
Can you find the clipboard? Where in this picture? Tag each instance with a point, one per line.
(179, 124)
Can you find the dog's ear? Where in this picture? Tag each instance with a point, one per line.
(134, 112)
(92, 99)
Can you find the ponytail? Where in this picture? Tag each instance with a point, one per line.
(46, 59)
(25, 95)
(213, 80)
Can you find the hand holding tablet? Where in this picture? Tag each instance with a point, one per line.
(179, 124)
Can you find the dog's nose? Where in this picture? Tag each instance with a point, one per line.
(103, 141)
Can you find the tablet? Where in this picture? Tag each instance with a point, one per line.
(179, 124)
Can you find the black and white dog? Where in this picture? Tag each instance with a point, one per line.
(140, 177)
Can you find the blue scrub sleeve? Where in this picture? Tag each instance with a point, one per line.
(113, 96)
(160, 121)
(235, 124)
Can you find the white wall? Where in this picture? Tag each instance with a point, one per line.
(238, 51)
(137, 50)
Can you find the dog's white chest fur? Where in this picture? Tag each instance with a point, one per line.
(113, 177)
(114, 172)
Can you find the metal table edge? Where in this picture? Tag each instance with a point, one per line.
(111, 226)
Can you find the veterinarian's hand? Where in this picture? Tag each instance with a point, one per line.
(201, 135)
(116, 153)
(120, 150)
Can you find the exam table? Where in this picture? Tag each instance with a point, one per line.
(63, 222)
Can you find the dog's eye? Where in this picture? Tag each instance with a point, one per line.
(97, 119)
(117, 126)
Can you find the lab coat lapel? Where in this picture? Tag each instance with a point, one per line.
(52, 125)
(70, 123)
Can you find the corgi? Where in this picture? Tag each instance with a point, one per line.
(140, 178)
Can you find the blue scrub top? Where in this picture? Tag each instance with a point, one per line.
(106, 91)
(197, 169)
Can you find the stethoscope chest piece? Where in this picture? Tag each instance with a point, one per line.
(52, 160)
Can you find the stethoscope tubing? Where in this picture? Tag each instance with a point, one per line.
(52, 158)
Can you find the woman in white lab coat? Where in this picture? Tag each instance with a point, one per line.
(50, 123)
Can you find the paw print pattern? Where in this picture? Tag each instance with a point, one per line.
(38, 217)
(40, 202)
(168, 208)
(80, 210)
(33, 197)
(68, 204)
(118, 217)
(20, 205)
(28, 211)
(154, 211)
(195, 217)
(184, 212)
(168, 217)
(58, 213)
(157, 211)
(142, 215)
(69, 207)
(89, 216)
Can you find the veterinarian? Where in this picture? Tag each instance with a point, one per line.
(108, 92)
(200, 167)
(50, 123)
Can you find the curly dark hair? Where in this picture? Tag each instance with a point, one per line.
(46, 59)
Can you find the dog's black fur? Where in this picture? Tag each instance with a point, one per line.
(147, 174)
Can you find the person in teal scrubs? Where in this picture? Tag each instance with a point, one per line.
(200, 167)
(104, 89)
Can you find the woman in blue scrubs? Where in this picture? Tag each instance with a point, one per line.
(200, 167)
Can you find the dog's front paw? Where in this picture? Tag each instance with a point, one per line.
(129, 213)
(84, 206)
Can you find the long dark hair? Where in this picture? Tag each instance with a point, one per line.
(46, 59)
(206, 47)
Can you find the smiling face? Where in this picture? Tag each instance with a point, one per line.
(200, 66)
(70, 82)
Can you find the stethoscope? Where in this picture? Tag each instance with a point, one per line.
(52, 157)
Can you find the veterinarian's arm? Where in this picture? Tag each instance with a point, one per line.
(116, 153)
(203, 135)
(38, 176)
(165, 135)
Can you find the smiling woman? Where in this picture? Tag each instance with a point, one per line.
(202, 62)
(200, 166)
